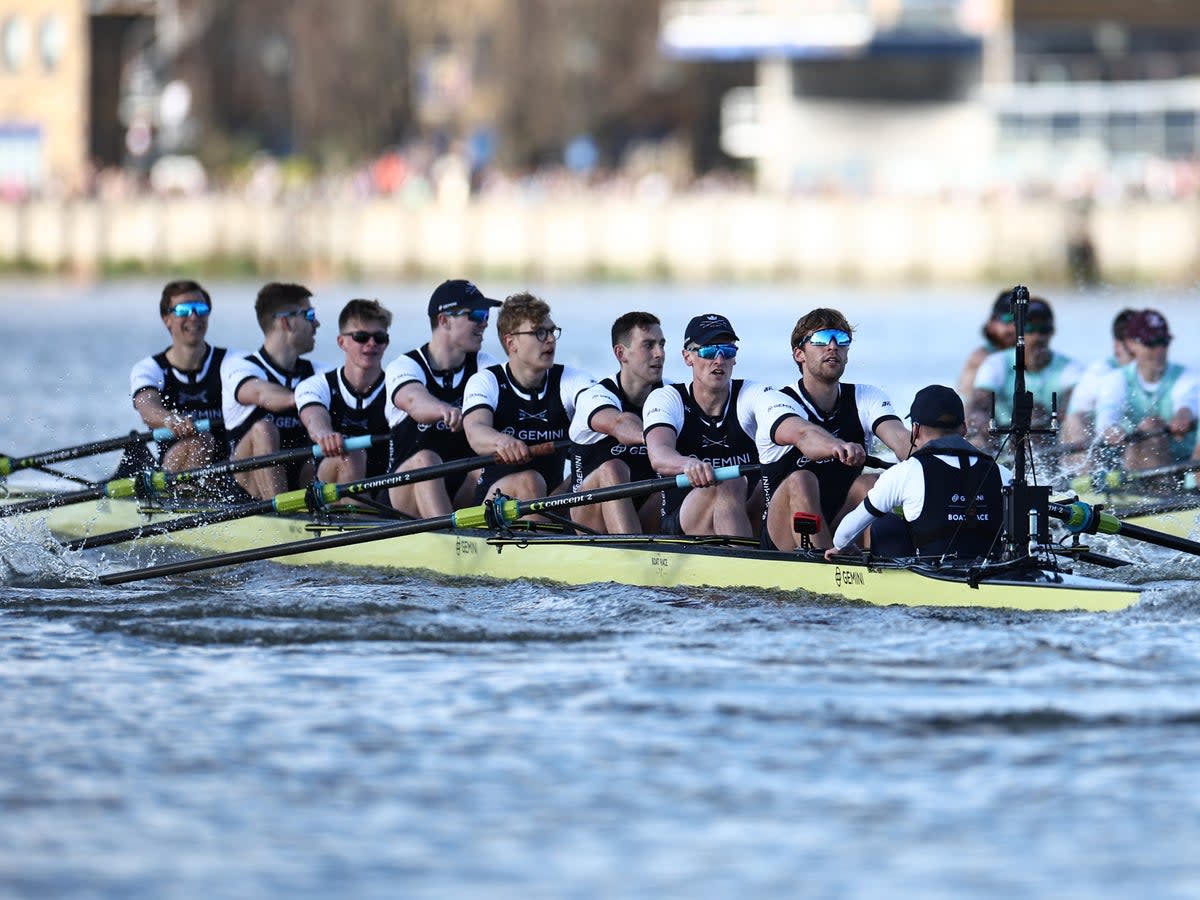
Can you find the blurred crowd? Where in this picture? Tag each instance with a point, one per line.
(417, 175)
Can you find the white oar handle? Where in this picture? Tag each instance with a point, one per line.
(358, 442)
(723, 473)
(165, 434)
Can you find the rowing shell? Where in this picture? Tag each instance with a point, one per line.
(645, 561)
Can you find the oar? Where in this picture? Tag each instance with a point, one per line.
(491, 514)
(57, 473)
(310, 499)
(1117, 479)
(159, 481)
(1083, 518)
(10, 464)
(1133, 437)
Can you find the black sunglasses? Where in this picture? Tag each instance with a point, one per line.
(361, 337)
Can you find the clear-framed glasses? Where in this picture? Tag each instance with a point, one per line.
(711, 351)
(191, 308)
(827, 336)
(543, 334)
(361, 337)
(478, 316)
(308, 314)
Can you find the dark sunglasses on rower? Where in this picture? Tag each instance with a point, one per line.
(827, 336)
(191, 308)
(361, 337)
(478, 316)
(710, 351)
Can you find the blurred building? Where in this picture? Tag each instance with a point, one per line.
(932, 94)
(43, 92)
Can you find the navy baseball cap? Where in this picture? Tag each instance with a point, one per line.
(937, 406)
(458, 294)
(704, 329)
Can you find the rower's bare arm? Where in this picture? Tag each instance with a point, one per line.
(816, 443)
(487, 441)
(896, 437)
(626, 427)
(265, 395)
(414, 398)
(149, 405)
(666, 460)
(966, 378)
(319, 425)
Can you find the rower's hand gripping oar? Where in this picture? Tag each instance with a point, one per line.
(492, 514)
(313, 498)
(10, 464)
(1084, 518)
(159, 481)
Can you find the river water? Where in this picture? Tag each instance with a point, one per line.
(273, 732)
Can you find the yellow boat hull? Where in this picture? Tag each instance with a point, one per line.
(643, 561)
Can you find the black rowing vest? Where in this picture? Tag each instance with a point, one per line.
(197, 393)
(541, 417)
(292, 432)
(586, 458)
(963, 509)
(719, 442)
(354, 415)
(411, 436)
(834, 477)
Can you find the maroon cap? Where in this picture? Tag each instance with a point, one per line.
(1146, 326)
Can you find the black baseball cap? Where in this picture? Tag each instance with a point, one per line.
(937, 406)
(458, 294)
(703, 329)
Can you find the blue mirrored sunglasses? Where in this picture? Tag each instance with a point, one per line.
(827, 336)
(310, 314)
(478, 316)
(191, 308)
(710, 351)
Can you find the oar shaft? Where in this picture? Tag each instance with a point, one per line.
(9, 464)
(1083, 518)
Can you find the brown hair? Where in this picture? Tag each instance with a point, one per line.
(277, 297)
(822, 317)
(622, 329)
(364, 310)
(520, 308)
(173, 289)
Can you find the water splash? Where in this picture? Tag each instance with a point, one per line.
(30, 555)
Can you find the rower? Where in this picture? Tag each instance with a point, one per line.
(350, 401)
(854, 413)
(1048, 374)
(530, 399)
(182, 385)
(425, 387)
(999, 333)
(607, 445)
(258, 389)
(1079, 425)
(1152, 398)
(948, 489)
(718, 420)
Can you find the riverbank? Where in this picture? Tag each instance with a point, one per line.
(704, 238)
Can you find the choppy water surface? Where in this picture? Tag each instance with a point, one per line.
(269, 731)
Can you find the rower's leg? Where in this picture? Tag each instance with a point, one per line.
(612, 516)
(422, 499)
(265, 483)
(799, 492)
(717, 510)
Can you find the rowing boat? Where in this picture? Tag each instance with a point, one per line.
(640, 560)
